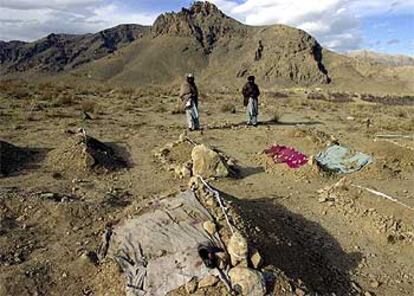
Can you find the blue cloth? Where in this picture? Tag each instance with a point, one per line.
(341, 160)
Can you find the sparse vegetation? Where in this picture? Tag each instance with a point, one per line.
(277, 94)
(275, 116)
(64, 100)
(89, 106)
(317, 96)
(228, 108)
(389, 99)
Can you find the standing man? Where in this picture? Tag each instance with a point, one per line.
(189, 98)
(251, 95)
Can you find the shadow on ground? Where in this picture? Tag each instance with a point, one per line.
(244, 172)
(122, 153)
(301, 248)
(16, 160)
(265, 123)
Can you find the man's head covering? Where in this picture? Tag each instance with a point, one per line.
(189, 75)
(251, 78)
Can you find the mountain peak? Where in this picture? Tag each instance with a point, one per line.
(203, 21)
(205, 8)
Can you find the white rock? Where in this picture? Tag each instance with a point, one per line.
(238, 249)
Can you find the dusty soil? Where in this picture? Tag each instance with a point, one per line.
(344, 240)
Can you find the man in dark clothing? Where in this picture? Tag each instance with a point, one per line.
(251, 95)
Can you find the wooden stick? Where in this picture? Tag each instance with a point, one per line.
(394, 137)
(384, 196)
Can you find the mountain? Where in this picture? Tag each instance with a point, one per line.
(221, 52)
(201, 39)
(58, 52)
(381, 58)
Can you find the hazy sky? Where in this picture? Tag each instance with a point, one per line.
(342, 25)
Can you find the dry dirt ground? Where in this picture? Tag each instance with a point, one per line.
(343, 243)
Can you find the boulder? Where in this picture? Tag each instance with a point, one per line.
(210, 227)
(208, 281)
(208, 163)
(238, 249)
(247, 281)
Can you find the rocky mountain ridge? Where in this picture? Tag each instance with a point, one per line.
(381, 58)
(58, 52)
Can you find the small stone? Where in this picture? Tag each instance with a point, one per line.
(222, 260)
(256, 259)
(356, 287)
(89, 161)
(210, 202)
(322, 200)
(208, 281)
(368, 293)
(161, 253)
(210, 227)
(300, 292)
(185, 172)
(191, 286)
(374, 284)
(47, 195)
(183, 137)
(194, 183)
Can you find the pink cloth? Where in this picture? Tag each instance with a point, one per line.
(288, 155)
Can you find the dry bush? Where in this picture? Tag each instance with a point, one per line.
(340, 97)
(127, 91)
(64, 100)
(89, 106)
(228, 108)
(277, 94)
(160, 108)
(317, 96)
(45, 86)
(15, 89)
(389, 100)
(401, 113)
(275, 117)
(178, 108)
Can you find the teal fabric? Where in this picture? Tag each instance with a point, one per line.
(341, 160)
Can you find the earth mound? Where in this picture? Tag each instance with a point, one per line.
(11, 158)
(81, 153)
(186, 159)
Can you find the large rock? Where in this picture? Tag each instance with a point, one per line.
(208, 163)
(247, 281)
(238, 249)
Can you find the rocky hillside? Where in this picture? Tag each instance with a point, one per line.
(381, 58)
(58, 52)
